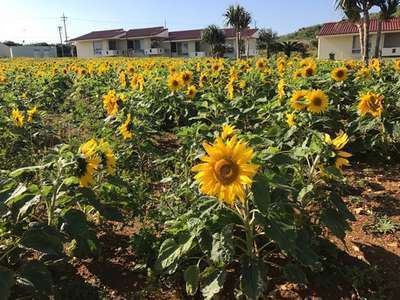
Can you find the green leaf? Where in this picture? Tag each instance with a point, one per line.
(7, 280)
(43, 239)
(262, 196)
(341, 206)
(20, 171)
(335, 222)
(28, 206)
(74, 222)
(213, 284)
(223, 250)
(252, 278)
(191, 276)
(39, 276)
(304, 191)
(294, 273)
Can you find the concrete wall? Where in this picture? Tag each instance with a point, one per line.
(342, 46)
(33, 51)
(84, 49)
(4, 51)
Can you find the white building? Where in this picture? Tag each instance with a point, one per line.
(157, 41)
(340, 40)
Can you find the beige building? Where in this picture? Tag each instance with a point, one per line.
(340, 40)
(157, 41)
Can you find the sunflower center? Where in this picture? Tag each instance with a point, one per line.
(226, 171)
(317, 101)
(309, 71)
(175, 83)
(340, 73)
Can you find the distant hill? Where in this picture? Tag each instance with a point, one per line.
(305, 34)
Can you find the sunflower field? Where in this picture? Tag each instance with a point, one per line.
(233, 172)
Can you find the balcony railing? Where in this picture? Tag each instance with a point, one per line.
(100, 52)
(154, 51)
(198, 54)
(395, 51)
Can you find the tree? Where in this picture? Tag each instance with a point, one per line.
(292, 46)
(239, 19)
(215, 37)
(388, 9)
(357, 11)
(266, 38)
(11, 43)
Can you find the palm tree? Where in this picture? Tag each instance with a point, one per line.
(266, 38)
(387, 9)
(291, 46)
(357, 11)
(239, 19)
(215, 37)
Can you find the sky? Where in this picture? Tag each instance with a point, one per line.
(38, 20)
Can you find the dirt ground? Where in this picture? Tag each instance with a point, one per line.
(371, 253)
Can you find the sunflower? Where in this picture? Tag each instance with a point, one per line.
(122, 79)
(281, 88)
(191, 91)
(317, 101)
(110, 103)
(226, 171)
(202, 79)
(17, 117)
(261, 64)
(228, 131)
(31, 112)
(290, 119)
(370, 103)
(309, 70)
(298, 100)
(88, 163)
(298, 74)
(397, 64)
(339, 74)
(363, 73)
(186, 77)
(350, 64)
(231, 90)
(174, 82)
(107, 156)
(124, 129)
(242, 84)
(338, 144)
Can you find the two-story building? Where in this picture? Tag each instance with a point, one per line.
(158, 41)
(340, 40)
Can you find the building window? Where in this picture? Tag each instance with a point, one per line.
(130, 44)
(185, 48)
(112, 45)
(356, 44)
(97, 47)
(137, 45)
(197, 46)
(173, 47)
(391, 40)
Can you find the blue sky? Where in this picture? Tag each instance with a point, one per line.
(37, 20)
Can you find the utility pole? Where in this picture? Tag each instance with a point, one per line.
(61, 41)
(64, 18)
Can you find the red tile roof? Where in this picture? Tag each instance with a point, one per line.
(195, 34)
(144, 32)
(102, 34)
(345, 27)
